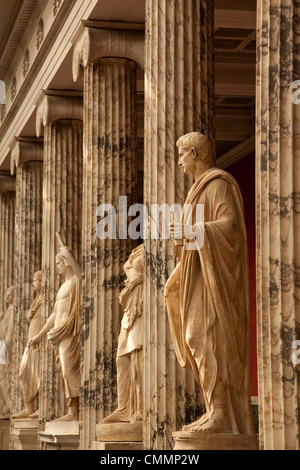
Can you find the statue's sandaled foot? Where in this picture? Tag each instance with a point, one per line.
(136, 418)
(67, 417)
(22, 415)
(34, 415)
(114, 418)
(212, 425)
(198, 422)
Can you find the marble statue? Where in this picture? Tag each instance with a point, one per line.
(6, 331)
(29, 372)
(130, 344)
(62, 330)
(207, 295)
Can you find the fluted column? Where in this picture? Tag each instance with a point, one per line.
(7, 235)
(278, 222)
(61, 119)
(27, 164)
(109, 171)
(179, 96)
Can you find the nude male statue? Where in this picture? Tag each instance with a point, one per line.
(207, 295)
(62, 330)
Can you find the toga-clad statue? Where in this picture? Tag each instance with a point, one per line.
(207, 295)
(130, 344)
(29, 372)
(6, 331)
(62, 330)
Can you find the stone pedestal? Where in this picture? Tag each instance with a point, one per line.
(124, 446)
(24, 434)
(179, 97)
(119, 436)
(185, 441)
(4, 434)
(60, 435)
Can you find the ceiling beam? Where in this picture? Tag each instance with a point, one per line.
(235, 19)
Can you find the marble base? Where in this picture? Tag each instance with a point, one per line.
(185, 440)
(4, 434)
(24, 434)
(119, 432)
(60, 435)
(124, 446)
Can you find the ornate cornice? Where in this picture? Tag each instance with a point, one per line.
(24, 152)
(7, 184)
(54, 108)
(95, 43)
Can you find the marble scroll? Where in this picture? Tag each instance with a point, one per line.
(179, 91)
(278, 223)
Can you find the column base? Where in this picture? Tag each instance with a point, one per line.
(24, 434)
(120, 432)
(194, 440)
(60, 435)
(4, 434)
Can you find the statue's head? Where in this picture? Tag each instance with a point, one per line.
(10, 294)
(37, 281)
(61, 264)
(199, 145)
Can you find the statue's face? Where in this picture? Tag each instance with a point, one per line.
(186, 160)
(10, 297)
(61, 267)
(37, 284)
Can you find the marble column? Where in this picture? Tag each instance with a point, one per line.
(60, 117)
(179, 97)
(7, 235)
(27, 165)
(109, 172)
(278, 222)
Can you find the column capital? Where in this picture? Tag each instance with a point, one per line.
(24, 152)
(7, 184)
(95, 43)
(52, 108)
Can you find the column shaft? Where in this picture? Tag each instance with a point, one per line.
(179, 96)
(28, 258)
(109, 171)
(62, 194)
(7, 244)
(278, 222)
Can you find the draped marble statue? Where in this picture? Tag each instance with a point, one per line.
(29, 372)
(207, 295)
(6, 330)
(62, 330)
(130, 344)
